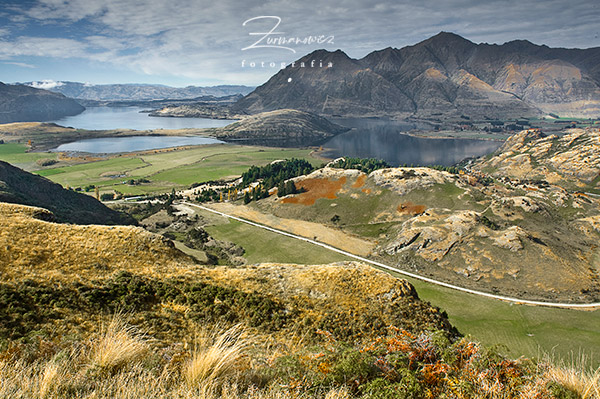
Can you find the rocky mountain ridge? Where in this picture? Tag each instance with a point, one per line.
(445, 75)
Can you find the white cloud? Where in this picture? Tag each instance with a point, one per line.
(43, 47)
(46, 84)
(19, 64)
(201, 39)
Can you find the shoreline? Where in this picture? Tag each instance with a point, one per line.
(428, 136)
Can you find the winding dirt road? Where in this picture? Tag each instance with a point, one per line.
(586, 306)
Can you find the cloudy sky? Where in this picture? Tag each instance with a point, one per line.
(200, 42)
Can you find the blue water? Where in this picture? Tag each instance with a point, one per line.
(369, 138)
(110, 118)
(387, 140)
(134, 143)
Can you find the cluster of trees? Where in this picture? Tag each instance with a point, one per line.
(366, 165)
(276, 172)
(209, 195)
(285, 188)
(258, 192)
(135, 182)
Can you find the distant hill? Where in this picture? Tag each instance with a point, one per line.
(445, 75)
(286, 127)
(20, 103)
(20, 187)
(138, 92)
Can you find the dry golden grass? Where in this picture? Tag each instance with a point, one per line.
(119, 346)
(216, 355)
(210, 374)
(52, 376)
(37, 249)
(576, 376)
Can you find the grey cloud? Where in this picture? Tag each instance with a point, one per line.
(203, 39)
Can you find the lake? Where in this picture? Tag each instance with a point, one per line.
(109, 118)
(370, 138)
(385, 139)
(133, 143)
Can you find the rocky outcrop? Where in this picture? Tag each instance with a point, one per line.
(572, 160)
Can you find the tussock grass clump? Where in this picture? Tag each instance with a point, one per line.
(119, 345)
(52, 377)
(576, 376)
(399, 365)
(218, 355)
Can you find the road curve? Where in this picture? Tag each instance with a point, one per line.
(409, 274)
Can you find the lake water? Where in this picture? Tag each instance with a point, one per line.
(109, 118)
(134, 143)
(384, 139)
(370, 138)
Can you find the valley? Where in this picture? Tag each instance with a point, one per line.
(411, 222)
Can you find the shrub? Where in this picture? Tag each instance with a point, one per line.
(46, 162)
(107, 197)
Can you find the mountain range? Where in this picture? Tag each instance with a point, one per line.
(445, 75)
(138, 92)
(20, 103)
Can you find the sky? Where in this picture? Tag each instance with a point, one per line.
(206, 43)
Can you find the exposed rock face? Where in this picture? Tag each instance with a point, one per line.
(19, 103)
(443, 75)
(20, 187)
(572, 160)
(284, 127)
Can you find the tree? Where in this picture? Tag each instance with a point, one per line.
(107, 197)
(290, 187)
(247, 198)
(281, 189)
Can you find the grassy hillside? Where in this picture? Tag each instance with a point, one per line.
(18, 186)
(515, 330)
(269, 329)
(461, 228)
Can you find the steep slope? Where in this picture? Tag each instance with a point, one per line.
(20, 187)
(100, 267)
(345, 88)
(20, 103)
(443, 75)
